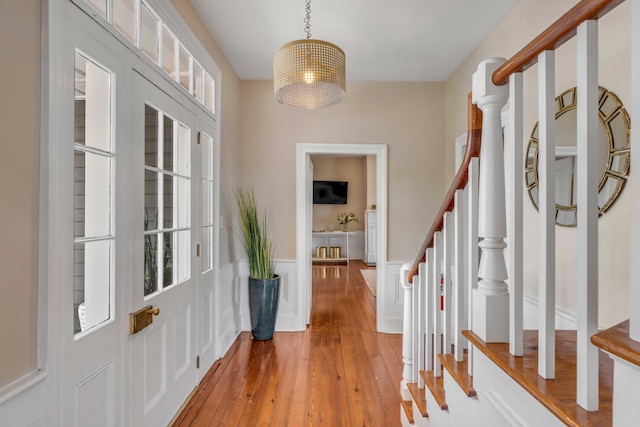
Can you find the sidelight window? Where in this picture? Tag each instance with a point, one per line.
(94, 157)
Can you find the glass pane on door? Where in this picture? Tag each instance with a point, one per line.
(167, 201)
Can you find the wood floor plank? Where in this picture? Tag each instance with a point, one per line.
(339, 372)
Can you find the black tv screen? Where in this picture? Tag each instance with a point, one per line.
(330, 192)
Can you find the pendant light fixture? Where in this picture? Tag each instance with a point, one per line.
(309, 73)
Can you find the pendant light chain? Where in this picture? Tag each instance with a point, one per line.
(307, 20)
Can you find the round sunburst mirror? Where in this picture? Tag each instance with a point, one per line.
(614, 154)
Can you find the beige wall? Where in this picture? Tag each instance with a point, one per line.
(525, 21)
(19, 174)
(352, 170)
(407, 117)
(229, 125)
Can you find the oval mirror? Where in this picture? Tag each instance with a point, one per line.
(614, 154)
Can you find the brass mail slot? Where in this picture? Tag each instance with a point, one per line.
(142, 318)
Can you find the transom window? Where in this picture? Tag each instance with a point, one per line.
(143, 27)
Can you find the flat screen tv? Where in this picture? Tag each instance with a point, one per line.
(330, 192)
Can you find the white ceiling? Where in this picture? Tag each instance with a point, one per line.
(401, 40)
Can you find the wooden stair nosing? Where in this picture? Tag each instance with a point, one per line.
(559, 400)
(616, 341)
(419, 398)
(407, 406)
(436, 387)
(459, 372)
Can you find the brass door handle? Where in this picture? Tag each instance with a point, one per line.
(142, 318)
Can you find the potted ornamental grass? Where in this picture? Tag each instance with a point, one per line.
(264, 284)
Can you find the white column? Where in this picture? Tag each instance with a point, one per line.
(587, 245)
(459, 290)
(491, 297)
(513, 145)
(472, 245)
(634, 112)
(547, 211)
(407, 332)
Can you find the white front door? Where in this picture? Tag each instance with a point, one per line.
(132, 207)
(166, 267)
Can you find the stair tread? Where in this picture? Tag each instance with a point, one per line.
(557, 395)
(419, 398)
(459, 371)
(615, 340)
(436, 387)
(407, 405)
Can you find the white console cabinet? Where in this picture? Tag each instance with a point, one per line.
(351, 244)
(370, 246)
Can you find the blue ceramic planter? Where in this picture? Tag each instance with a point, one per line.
(263, 306)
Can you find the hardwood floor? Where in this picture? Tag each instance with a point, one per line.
(340, 371)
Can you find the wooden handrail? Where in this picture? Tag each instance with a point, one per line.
(553, 37)
(474, 132)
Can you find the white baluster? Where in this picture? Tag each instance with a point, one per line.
(430, 307)
(472, 245)
(587, 245)
(447, 261)
(547, 215)
(415, 322)
(436, 312)
(407, 333)
(459, 290)
(491, 297)
(513, 145)
(421, 284)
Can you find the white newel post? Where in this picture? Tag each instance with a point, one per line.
(491, 297)
(407, 332)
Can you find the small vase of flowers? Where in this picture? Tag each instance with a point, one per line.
(345, 218)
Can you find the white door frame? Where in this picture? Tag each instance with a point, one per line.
(304, 210)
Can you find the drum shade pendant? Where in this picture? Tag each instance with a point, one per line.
(309, 73)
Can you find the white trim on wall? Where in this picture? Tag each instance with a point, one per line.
(303, 232)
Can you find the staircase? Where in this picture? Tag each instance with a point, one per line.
(467, 358)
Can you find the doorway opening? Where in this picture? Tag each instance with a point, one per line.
(304, 210)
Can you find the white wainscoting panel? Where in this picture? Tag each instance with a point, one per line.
(564, 318)
(229, 306)
(22, 404)
(394, 298)
(286, 319)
